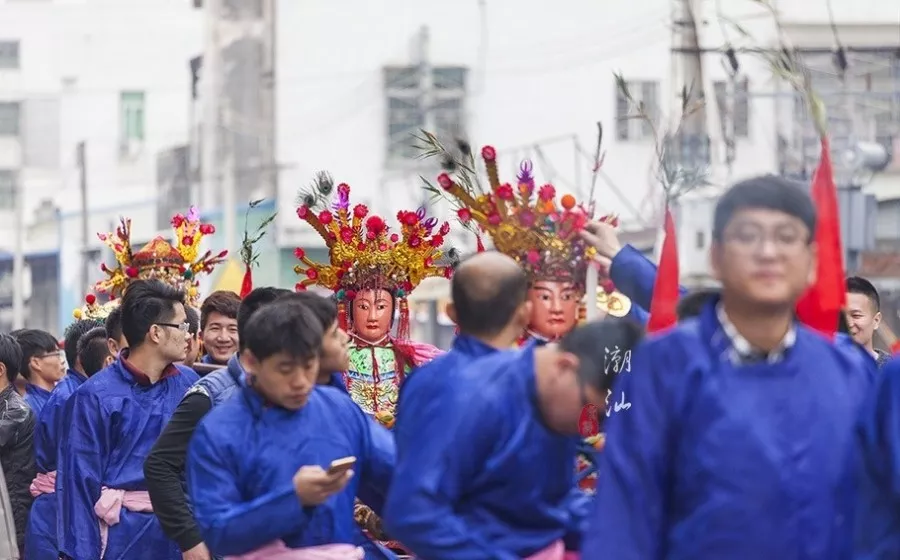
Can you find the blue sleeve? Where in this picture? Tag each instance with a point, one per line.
(634, 275)
(381, 457)
(628, 519)
(578, 505)
(229, 524)
(877, 523)
(444, 440)
(46, 434)
(82, 450)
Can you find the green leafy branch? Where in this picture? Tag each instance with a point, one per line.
(249, 255)
(461, 164)
(675, 178)
(786, 64)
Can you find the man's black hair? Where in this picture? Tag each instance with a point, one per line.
(10, 356)
(254, 300)
(284, 326)
(147, 303)
(859, 285)
(193, 319)
(598, 345)
(93, 350)
(73, 333)
(223, 302)
(691, 304)
(325, 309)
(113, 324)
(768, 192)
(485, 304)
(34, 342)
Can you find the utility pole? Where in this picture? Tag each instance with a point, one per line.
(689, 63)
(81, 158)
(18, 300)
(217, 178)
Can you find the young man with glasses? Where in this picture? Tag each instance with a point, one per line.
(42, 366)
(109, 425)
(738, 442)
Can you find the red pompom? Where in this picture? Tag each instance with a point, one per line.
(90, 299)
(488, 153)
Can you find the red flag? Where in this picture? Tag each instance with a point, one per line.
(823, 301)
(665, 288)
(247, 283)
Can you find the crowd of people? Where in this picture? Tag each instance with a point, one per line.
(285, 424)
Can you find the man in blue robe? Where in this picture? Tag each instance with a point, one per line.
(109, 425)
(164, 467)
(738, 441)
(490, 308)
(502, 484)
(90, 356)
(256, 466)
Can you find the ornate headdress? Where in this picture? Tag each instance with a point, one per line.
(178, 265)
(365, 254)
(529, 225)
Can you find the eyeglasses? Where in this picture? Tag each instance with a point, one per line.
(183, 327)
(58, 354)
(751, 238)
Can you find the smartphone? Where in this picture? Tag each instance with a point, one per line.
(341, 465)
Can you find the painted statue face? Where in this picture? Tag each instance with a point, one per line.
(554, 308)
(372, 313)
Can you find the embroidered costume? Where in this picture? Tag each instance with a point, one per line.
(371, 272)
(178, 265)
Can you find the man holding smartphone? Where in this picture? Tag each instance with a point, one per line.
(278, 466)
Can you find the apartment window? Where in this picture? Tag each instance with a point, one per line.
(741, 115)
(8, 180)
(407, 113)
(10, 118)
(9, 55)
(645, 94)
(132, 117)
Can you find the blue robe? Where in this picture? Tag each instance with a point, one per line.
(40, 536)
(244, 455)
(421, 412)
(878, 443)
(501, 485)
(109, 426)
(634, 275)
(721, 461)
(36, 397)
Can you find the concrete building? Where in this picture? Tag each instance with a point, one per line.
(110, 73)
(354, 80)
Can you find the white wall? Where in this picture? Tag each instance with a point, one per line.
(84, 53)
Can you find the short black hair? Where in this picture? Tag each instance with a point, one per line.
(93, 350)
(486, 305)
(146, 303)
(692, 304)
(193, 319)
(859, 285)
(598, 344)
(768, 192)
(34, 342)
(10, 356)
(113, 324)
(254, 300)
(324, 308)
(284, 326)
(223, 302)
(74, 332)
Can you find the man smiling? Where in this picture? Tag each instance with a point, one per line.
(218, 325)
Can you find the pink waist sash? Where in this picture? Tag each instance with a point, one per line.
(556, 551)
(279, 551)
(109, 508)
(43, 483)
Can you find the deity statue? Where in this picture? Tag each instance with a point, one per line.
(541, 232)
(179, 265)
(372, 270)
